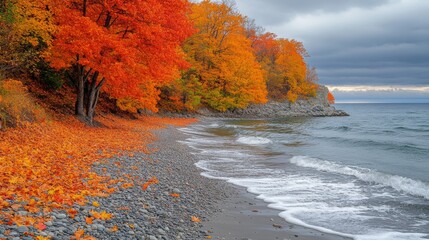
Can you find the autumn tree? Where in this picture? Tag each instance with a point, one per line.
(128, 46)
(331, 98)
(283, 61)
(222, 58)
(184, 94)
(26, 29)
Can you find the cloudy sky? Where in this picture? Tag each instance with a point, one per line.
(379, 48)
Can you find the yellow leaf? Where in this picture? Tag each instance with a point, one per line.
(105, 216)
(95, 204)
(42, 238)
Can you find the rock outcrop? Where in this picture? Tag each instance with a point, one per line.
(312, 107)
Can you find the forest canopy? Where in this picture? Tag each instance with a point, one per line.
(151, 54)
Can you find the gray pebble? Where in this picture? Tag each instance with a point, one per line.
(48, 223)
(23, 213)
(152, 238)
(61, 216)
(161, 231)
(143, 210)
(176, 190)
(22, 229)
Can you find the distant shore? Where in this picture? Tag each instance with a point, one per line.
(317, 106)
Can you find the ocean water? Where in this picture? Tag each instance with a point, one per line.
(365, 176)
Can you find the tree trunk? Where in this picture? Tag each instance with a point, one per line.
(93, 95)
(88, 92)
(79, 106)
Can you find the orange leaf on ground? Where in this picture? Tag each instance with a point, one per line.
(102, 216)
(72, 212)
(79, 234)
(95, 204)
(152, 180)
(89, 220)
(114, 228)
(176, 195)
(40, 226)
(127, 185)
(195, 219)
(15, 206)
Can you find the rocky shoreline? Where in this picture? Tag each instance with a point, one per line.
(301, 108)
(312, 107)
(317, 106)
(155, 214)
(152, 214)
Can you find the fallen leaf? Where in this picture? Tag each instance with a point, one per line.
(15, 206)
(176, 195)
(40, 226)
(195, 219)
(41, 238)
(79, 234)
(114, 228)
(89, 220)
(152, 180)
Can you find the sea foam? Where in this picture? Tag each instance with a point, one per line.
(407, 185)
(253, 140)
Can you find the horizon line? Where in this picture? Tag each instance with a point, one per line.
(379, 88)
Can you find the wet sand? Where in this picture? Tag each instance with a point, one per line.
(243, 216)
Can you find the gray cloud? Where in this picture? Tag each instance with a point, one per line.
(371, 42)
(273, 12)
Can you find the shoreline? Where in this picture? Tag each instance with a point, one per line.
(236, 213)
(201, 208)
(244, 216)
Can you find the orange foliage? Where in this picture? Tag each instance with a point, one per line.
(223, 60)
(331, 98)
(48, 165)
(132, 44)
(286, 72)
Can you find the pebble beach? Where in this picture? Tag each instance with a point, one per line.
(223, 211)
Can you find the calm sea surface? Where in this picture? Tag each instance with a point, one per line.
(365, 176)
